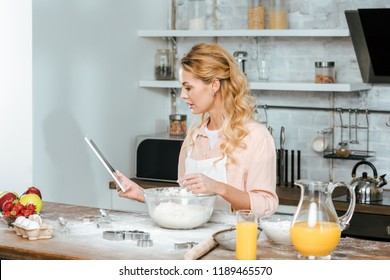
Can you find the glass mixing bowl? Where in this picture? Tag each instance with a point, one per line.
(175, 208)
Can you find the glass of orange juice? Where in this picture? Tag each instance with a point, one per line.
(246, 235)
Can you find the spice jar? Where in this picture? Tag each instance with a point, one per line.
(177, 125)
(196, 14)
(163, 65)
(277, 14)
(325, 72)
(343, 150)
(256, 14)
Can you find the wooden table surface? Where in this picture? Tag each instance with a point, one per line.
(84, 241)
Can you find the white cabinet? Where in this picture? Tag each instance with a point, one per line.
(277, 86)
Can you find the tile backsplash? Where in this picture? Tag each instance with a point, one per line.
(291, 59)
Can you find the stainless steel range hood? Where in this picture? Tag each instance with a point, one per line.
(370, 33)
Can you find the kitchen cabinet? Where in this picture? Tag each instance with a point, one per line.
(275, 86)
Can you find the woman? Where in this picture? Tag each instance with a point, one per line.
(227, 153)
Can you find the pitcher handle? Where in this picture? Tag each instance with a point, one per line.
(344, 219)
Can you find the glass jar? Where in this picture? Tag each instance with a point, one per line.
(277, 14)
(177, 125)
(343, 150)
(163, 65)
(196, 14)
(325, 72)
(256, 15)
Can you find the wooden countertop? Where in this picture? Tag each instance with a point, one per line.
(85, 241)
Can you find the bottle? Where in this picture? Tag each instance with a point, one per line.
(325, 72)
(277, 14)
(256, 15)
(163, 65)
(196, 14)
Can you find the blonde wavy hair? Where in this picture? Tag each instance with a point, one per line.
(210, 62)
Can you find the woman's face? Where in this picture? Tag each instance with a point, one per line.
(196, 93)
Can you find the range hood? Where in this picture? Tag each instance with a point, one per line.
(370, 34)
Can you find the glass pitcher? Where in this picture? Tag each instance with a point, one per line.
(316, 229)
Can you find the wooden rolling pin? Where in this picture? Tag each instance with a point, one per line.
(200, 249)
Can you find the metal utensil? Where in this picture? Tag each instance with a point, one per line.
(282, 156)
(355, 141)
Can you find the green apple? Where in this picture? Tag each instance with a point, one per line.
(32, 198)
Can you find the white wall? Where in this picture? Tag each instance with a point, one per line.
(87, 60)
(15, 95)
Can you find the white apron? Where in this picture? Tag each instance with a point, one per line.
(214, 168)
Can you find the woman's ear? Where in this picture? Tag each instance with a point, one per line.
(215, 85)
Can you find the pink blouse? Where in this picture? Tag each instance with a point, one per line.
(254, 169)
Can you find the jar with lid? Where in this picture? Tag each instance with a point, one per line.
(343, 149)
(256, 14)
(177, 125)
(277, 14)
(163, 65)
(196, 14)
(325, 72)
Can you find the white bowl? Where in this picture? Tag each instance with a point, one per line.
(277, 228)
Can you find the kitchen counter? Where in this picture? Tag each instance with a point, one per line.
(85, 240)
(369, 221)
(290, 196)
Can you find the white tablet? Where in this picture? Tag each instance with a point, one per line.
(104, 161)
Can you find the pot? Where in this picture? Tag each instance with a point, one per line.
(367, 189)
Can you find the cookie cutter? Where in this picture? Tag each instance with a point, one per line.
(113, 235)
(142, 238)
(185, 245)
(145, 241)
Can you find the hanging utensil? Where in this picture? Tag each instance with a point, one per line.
(282, 156)
(355, 140)
(341, 126)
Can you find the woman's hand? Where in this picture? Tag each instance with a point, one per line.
(199, 183)
(133, 190)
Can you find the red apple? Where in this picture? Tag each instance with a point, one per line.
(7, 196)
(33, 190)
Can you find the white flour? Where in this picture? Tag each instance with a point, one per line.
(179, 216)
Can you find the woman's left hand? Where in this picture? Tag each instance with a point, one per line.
(198, 183)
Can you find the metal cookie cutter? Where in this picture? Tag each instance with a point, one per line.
(114, 235)
(185, 245)
(145, 241)
(134, 234)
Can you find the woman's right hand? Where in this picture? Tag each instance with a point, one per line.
(133, 190)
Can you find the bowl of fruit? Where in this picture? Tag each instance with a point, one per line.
(12, 206)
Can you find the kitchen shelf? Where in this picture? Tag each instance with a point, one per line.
(355, 155)
(282, 86)
(247, 33)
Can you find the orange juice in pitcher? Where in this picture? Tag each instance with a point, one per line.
(316, 229)
(319, 240)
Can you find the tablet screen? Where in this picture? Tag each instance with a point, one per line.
(104, 161)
